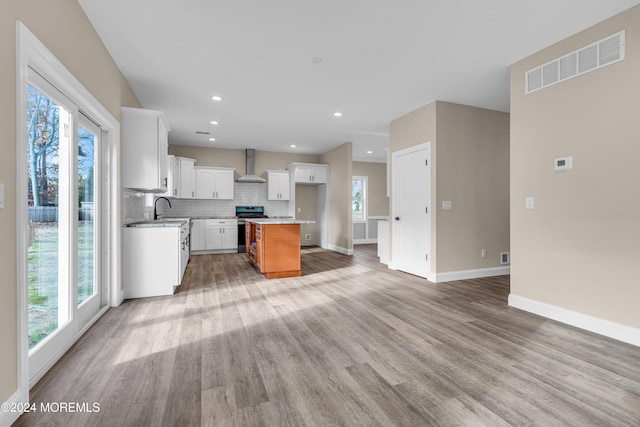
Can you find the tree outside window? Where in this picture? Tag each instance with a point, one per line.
(359, 198)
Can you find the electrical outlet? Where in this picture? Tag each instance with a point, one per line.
(299, 210)
(307, 237)
(483, 253)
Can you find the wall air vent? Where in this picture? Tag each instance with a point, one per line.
(597, 55)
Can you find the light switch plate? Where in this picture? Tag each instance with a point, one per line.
(528, 202)
(1, 196)
(447, 204)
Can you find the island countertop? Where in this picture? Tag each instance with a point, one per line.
(264, 221)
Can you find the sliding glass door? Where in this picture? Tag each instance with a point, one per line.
(64, 208)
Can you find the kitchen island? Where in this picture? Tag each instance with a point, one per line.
(273, 246)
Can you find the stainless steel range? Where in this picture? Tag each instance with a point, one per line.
(243, 212)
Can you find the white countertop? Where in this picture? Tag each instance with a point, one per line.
(162, 222)
(263, 221)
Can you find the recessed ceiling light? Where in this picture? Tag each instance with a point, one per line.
(212, 139)
(293, 146)
(216, 98)
(369, 152)
(337, 114)
(213, 122)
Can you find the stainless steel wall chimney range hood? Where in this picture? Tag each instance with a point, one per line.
(250, 176)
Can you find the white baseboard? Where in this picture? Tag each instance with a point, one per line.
(600, 326)
(18, 400)
(364, 241)
(470, 274)
(341, 250)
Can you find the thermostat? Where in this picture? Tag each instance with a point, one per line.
(563, 163)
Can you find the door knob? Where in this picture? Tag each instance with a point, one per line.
(397, 218)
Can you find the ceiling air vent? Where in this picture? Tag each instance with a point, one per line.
(597, 55)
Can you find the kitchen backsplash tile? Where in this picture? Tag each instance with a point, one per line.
(133, 206)
(245, 194)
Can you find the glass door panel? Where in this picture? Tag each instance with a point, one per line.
(86, 215)
(89, 213)
(48, 290)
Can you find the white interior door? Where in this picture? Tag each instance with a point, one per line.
(411, 210)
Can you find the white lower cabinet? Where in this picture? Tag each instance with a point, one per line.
(153, 260)
(214, 235)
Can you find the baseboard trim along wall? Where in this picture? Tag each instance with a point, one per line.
(16, 405)
(604, 327)
(364, 241)
(470, 274)
(341, 250)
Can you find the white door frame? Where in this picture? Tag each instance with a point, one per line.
(32, 53)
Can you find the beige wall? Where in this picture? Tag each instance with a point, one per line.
(307, 208)
(235, 158)
(339, 159)
(266, 160)
(578, 249)
(220, 157)
(470, 168)
(67, 33)
(378, 202)
(473, 173)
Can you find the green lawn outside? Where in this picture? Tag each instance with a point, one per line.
(43, 277)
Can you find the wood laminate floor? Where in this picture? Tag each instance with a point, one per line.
(350, 343)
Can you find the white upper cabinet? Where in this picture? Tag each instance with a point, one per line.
(173, 175)
(308, 173)
(145, 142)
(278, 185)
(214, 183)
(187, 173)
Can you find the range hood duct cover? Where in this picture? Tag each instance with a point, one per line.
(251, 176)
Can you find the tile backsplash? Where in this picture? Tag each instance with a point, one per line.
(245, 194)
(133, 206)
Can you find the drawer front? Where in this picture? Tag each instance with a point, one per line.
(214, 222)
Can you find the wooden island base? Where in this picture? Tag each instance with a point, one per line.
(274, 249)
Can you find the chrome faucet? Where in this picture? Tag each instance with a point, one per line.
(155, 202)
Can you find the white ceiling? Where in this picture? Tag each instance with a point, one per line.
(380, 59)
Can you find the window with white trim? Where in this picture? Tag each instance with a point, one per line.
(359, 189)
